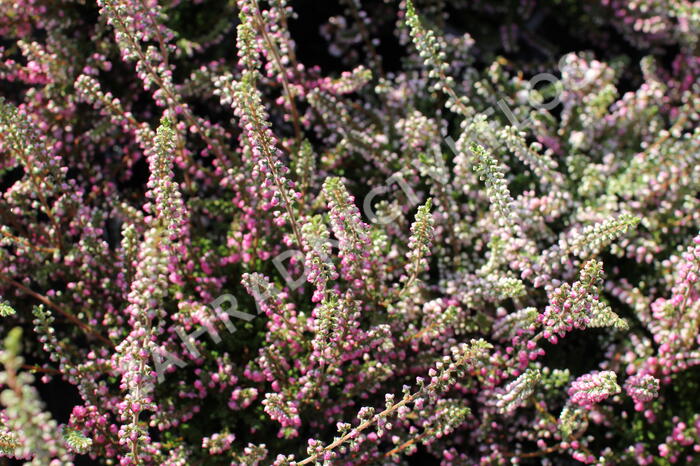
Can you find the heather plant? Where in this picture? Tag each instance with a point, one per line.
(468, 234)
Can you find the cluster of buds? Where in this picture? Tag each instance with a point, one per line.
(578, 306)
(590, 389)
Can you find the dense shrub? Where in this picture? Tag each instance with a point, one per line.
(261, 232)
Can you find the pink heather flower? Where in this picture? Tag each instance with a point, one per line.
(578, 306)
(590, 389)
(642, 388)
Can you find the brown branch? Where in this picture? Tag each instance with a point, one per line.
(283, 72)
(363, 426)
(186, 112)
(47, 302)
(26, 243)
(407, 444)
(45, 370)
